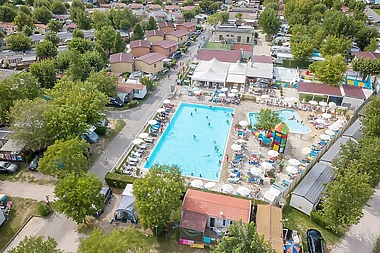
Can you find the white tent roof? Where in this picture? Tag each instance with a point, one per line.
(286, 74)
(237, 68)
(214, 64)
(261, 70)
(210, 75)
(231, 78)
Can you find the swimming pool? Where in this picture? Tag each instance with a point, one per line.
(198, 156)
(286, 115)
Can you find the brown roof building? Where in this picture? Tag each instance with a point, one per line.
(150, 63)
(154, 36)
(179, 35)
(318, 88)
(367, 55)
(220, 55)
(166, 26)
(187, 26)
(140, 47)
(165, 47)
(121, 62)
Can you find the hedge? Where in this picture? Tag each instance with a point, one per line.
(118, 180)
(287, 63)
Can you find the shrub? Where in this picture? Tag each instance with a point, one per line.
(132, 104)
(101, 130)
(376, 249)
(317, 218)
(43, 209)
(118, 180)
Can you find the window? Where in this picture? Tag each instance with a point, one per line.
(170, 50)
(221, 37)
(155, 65)
(228, 35)
(238, 38)
(230, 222)
(224, 223)
(247, 39)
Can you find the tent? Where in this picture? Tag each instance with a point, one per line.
(214, 64)
(210, 75)
(126, 210)
(237, 68)
(193, 225)
(233, 78)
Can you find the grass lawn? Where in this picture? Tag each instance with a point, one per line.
(300, 222)
(377, 11)
(21, 211)
(217, 45)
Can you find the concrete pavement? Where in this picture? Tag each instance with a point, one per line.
(362, 237)
(370, 12)
(27, 190)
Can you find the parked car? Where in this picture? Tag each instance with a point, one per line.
(315, 242)
(7, 167)
(115, 102)
(177, 55)
(107, 193)
(187, 43)
(34, 163)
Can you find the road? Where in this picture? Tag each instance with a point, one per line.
(27, 190)
(362, 237)
(370, 12)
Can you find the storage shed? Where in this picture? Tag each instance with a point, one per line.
(307, 194)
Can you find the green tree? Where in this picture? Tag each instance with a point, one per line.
(158, 195)
(188, 15)
(302, 47)
(19, 42)
(117, 241)
(100, 19)
(103, 82)
(25, 9)
(330, 71)
(46, 49)
(364, 35)
(336, 23)
(366, 66)
(95, 60)
(243, 238)
(45, 72)
(83, 21)
(333, 45)
(138, 33)
(372, 46)
(52, 37)
(65, 157)
(269, 21)
(27, 30)
(105, 38)
(58, 7)
(187, 3)
(120, 18)
(7, 14)
(152, 25)
(321, 8)
(37, 244)
(78, 4)
(41, 3)
(273, 6)
(147, 81)
(78, 33)
(22, 20)
(369, 163)
(337, 5)
(213, 19)
(267, 119)
(371, 121)
(119, 44)
(63, 60)
(78, 196)
(81, 45)
(349, 153)
(42, 14)
(55, 25)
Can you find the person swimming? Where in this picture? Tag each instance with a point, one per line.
(208, 155)
(200, 175)
(191, 114)
(227, 121)
(195, 109)
(206, 117)
(194, 136)
(209, 124)
(192, 174)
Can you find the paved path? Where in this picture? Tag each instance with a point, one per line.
(27, 190)
(362, 237)
(370, 12)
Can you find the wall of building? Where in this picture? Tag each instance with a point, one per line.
(149, 68)
(167, 29)
(166, 52)
(121, 67)
(301, 204)
(180, 40)
(219, 223)
(244, 38)
(140, 51)
(155, 39)
(189, 29)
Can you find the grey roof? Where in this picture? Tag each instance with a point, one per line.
(312, 186)
(229, 28)
(334, 150)
(354, 130)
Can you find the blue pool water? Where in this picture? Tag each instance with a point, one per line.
(177, 146)
(286, 115)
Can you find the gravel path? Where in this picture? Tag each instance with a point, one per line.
(27, 190)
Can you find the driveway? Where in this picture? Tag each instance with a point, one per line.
(262, 46)
(27, 190)
(370, 12)
(362, 237)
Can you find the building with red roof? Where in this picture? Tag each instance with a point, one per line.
(121, 62)
(187, 26)
(166, 27)
(179, 35)
(154, 36)
(220, 55)
(140, 47)
(150, 63)
(165, 47)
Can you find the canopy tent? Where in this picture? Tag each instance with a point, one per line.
(233, 78)
(259, 70)
(237, 68)
(210, 75)
(126, 210)
(213, 64)
(193, 225)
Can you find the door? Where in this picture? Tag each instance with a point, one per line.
(212, 222)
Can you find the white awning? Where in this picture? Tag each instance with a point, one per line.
(237, 68)
(213, 64)
(231, 78)
(260, 70)
(209, 76)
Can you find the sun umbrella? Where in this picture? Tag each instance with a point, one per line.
(224, 89)
(227, 188)
(241, 141)
(326, 116)
(209, 185)
(221, 95)
(265, 96)
(323, 103)
(273, 153)
(236, 147)
(292, 247)
(137, 141)
(152, 122)
(267, 165)
(197, 92)
(334, 127)
(242, 190)
(290, 100)
(255, 171)
(195, 88)
(312, 102)
(231, 94)
(160, 110)
(196, 183)
(324, 137)
(320, 121)
(166, 101)
(329, 132)
(291, 169)
(305, 151)
(234, 90)
(143, 135)
(332, 105)
(294, 162)
(243, 123)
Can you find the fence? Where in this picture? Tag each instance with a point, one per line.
(298, 179)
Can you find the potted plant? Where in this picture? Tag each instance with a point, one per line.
(271, 174)
(272, 180)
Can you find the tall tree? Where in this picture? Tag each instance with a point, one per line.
(366, 66)
(81, 45)
(103, 82)
(42, 15)
(333, 45)
(78, 4)
(269, 21)
(302, 47)
(37, 244)
(100, 19)
(138, 33)
(22, 20)
(371, 121)
(105, 38)
(46, 49)
(152, 25)
(83, 21)
(7, 14)
(243, 238)
(119, 44)
(78, 33)
(372, 46)
(368, 162)
(55, 25)
(52, 37)
(41, 3)
(45, 72)
(267, 119)
(117, 241)
(25, 9)
(158, 195)
(364, 35)
(78, 196)
(188, 14)
(330, 71)
(57, 7)
(19, 42)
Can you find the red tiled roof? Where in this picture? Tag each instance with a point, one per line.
(123, 89)
(353, 91)
(318, 88)
(40, 25)
(262, 59)
(139, 43)
(72, 25)
(166, 44)
(188, 8)
(368, 55)
(121, 5)
(154, 33)
(136, 6)
(105, 5)
(7, 25)
(120, 57)
(214, 204)
(179, 33)
(154, 6)
(151, 58)
(171, 7)
(220, 55)
(133, 86)
(165, 24)
(188, 24)
(245, 47)
(193, 220)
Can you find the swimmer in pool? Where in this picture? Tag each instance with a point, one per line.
(209, 124)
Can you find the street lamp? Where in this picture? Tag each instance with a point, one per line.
(156, 232)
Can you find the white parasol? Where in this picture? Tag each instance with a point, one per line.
(227, 188)
(273, 153)
(152, 122)
(236, 147)
(231, 94)
(196, 183)
(294, 162)
(242, 190)
(255, 171)
(290, 100)
(334, 127)
(332, 105)
(143, 135)
(329, 132)
(224, 89)
(166, 101)
(265, 96)
(137, 141)
(326, 116)
(209, 185)
(305, 151)
(221, 95)
(324, 137)
(160, 110)
(195, 88)
(243, 123)
(312, 102)
(241, 141)
(323, 103)
(234, 90)
(197, 92)
(267, 165)
(291, 169)
(320, 121)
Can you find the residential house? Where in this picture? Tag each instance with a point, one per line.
(62, 17)
(188, 26)
(166, 27)
(120, 5)
(10, 150)
(173, 8)
(176, 17)
(105, 6)
(159, 16)
(19, 61)
(154, 7)
(150, 63)
(70, 27)
(179, 35)
(140, 47)
(241, 34)
(367, 55)
(7, 28)
(155, 36)
(188, 8)
(220, 55)
(249, 18)
(269, 224)
(41, 28)
(121, 62)
(165, 47)
(136, 6)
(130, 89)
(206, 215)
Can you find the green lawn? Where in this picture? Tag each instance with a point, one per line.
(300, 222)
(377, 11)
(217, 45)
